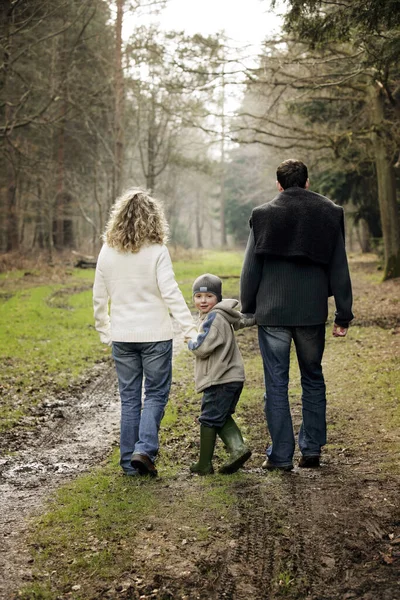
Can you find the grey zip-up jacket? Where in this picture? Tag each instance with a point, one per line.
(218, 358)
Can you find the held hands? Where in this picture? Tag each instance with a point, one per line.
(339, 331)
(190, 342)
(105, 338)
(246, 320)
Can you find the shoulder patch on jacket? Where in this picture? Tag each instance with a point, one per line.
(206, 330)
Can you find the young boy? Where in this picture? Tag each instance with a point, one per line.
(219, 374)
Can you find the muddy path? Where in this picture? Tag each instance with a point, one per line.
(76, 432)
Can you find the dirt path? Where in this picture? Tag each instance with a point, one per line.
(326, 534)
(76, 433)
(331, 534)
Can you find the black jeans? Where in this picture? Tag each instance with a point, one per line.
(218, 402)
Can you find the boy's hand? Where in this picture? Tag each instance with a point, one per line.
(339, 331)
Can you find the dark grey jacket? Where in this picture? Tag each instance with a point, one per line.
(293, 290)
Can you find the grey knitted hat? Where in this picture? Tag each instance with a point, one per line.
(208, 283)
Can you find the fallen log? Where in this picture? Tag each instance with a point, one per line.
(85, 264)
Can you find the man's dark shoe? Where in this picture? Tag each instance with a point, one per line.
(269, 466)
(309, 462)
(143, 464)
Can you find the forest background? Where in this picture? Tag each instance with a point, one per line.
(85, 113)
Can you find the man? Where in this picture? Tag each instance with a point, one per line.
(295, 259)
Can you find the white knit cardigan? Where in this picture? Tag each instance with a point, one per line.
(141, 289)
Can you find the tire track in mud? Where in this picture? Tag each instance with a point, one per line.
(251, 566)
(267, 559)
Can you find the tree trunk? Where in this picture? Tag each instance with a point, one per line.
(198, 223)
(96, 239)
(40, 233)
(389, 211)
(12, 218)
(8, 203)
(364, 236)
(63, 227)
(151, 149)
(119, 104)
(224, 240)
(5, 18)
(59, 207)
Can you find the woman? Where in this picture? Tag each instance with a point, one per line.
(134, 272)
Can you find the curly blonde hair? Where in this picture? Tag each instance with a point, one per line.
(136, 219)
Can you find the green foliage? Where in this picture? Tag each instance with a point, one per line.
(316, 111)
(237, 219)
(357, 186)
(318, 21)
(350, 76)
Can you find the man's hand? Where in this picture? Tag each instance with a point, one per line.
(339, 331)
(246, 320)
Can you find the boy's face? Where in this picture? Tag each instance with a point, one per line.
(205, 301)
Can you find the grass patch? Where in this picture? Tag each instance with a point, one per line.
(101, 524)
(47, 340)
(224, 264)
(87, 533)
(364, 403)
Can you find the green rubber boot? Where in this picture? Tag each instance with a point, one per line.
(204, 466)
(239, 453)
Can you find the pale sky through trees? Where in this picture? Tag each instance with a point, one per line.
(244, 21)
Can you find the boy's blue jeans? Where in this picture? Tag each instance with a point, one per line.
(275, 351)
(140, 424)
(218, 402)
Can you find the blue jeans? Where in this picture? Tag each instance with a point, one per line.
(275, 351)
(218, 402)
(140, 423)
